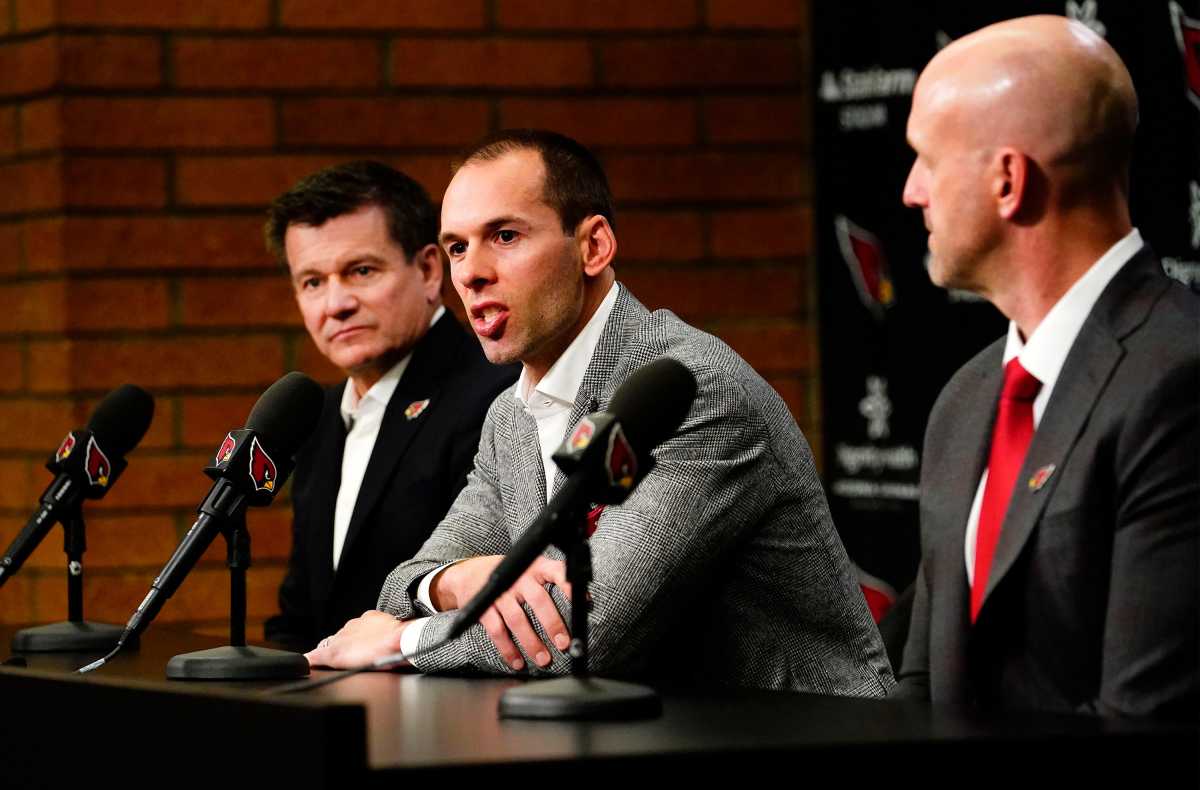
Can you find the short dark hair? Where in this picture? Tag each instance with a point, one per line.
(575, 187)
(412, 219)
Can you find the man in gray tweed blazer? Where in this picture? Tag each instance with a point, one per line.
(722, 567)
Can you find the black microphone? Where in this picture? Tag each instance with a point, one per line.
(86, 465)
(605, 457)
(250, 467)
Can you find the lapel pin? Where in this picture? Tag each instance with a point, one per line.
(1040, 477)
(416, 408)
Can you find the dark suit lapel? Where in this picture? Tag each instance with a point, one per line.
(323, 489)
(420, 382)
(1089, 365)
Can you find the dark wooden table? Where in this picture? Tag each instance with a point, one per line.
(127, 722)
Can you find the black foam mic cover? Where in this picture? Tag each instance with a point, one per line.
(286, 413)
(122, 419)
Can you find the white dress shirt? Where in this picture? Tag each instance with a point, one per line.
(1044, 353)
(550, 404)
(362, 417)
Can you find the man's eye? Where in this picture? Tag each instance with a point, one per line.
(309, 283)
(456, 249)
(506, 236)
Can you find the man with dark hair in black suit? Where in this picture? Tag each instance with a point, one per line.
(395, 442)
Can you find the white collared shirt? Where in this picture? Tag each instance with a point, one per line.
(550, 404)
(362, 417)
(1046, 350)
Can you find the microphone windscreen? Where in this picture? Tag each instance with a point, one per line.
(652, 402)
(287, 413)
(122, 419)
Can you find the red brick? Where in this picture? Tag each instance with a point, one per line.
(758, 119)
(758, 14)
(18, 492)
(202, 14)
(270, 532)
(721, 293)
(34, 14)
(91, 182)
(8, 131)
(204, 595)
(108, 243)
(13, 365)
(11, 243)
(762, 233)
(206, 420)
(490, 63)
(167, 123)
(659, 236)
(256, 180)
(700, 63)
(378, 122)
(160, 481)
(772, 347)
(112, 542)
(18, 606)
(609, 15)
(239, 302)
(180, 362)
(277, 63)
(37, 425)
(601, 122)
(33, 185)
(39, 125)
(384, 14)
(28, 66)
(6, 17)
(309, 360)
(32, 306)
(117, 304)
(108, 61)
(707, 177)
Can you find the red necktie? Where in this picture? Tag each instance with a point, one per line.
(1010, 441)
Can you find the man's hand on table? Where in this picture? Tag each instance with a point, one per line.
(359, 642)
(506, 618)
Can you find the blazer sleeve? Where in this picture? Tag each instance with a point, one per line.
(295, 625)
(914, 671)
(1151, 665)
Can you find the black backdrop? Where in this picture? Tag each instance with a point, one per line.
(889, 338)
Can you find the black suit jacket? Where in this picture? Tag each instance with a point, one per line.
(1092, 597)
(416, 470)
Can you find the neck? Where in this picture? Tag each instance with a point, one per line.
(594, 291)
(1047, 260)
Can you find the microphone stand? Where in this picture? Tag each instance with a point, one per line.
(76, 635)
(579, 695)
(237, 660)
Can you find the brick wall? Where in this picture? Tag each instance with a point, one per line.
(141, 139)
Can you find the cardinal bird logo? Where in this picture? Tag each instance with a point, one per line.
(64, 449)
(415, 409)
(581, 437)
(262, 468)
(225, 451)
(97, 465)
(863, 253)
(621, 461)
(1187, 36)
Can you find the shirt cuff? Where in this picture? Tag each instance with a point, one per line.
(410, 637)
(425, 585)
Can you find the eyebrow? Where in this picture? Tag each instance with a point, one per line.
(488, 227)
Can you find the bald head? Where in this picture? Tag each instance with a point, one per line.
(1044, 85)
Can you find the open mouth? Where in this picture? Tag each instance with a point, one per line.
(488, 319)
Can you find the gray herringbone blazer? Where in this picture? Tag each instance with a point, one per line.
(722, 567)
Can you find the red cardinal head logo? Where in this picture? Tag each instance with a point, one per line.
(97, 465)
(1187, 36)
(868, 265)
(64, 449)
(226, 449)
(621, 461)
(262, 468)
(581, 437)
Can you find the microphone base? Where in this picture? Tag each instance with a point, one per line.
(238, 663)
(580, 698)
(70, 637)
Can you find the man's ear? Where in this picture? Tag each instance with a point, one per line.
(1010, 181)
(429, 261)
(597, 244)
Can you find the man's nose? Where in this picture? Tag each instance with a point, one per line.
(914, 191)
(339, 299)
(474, 270)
